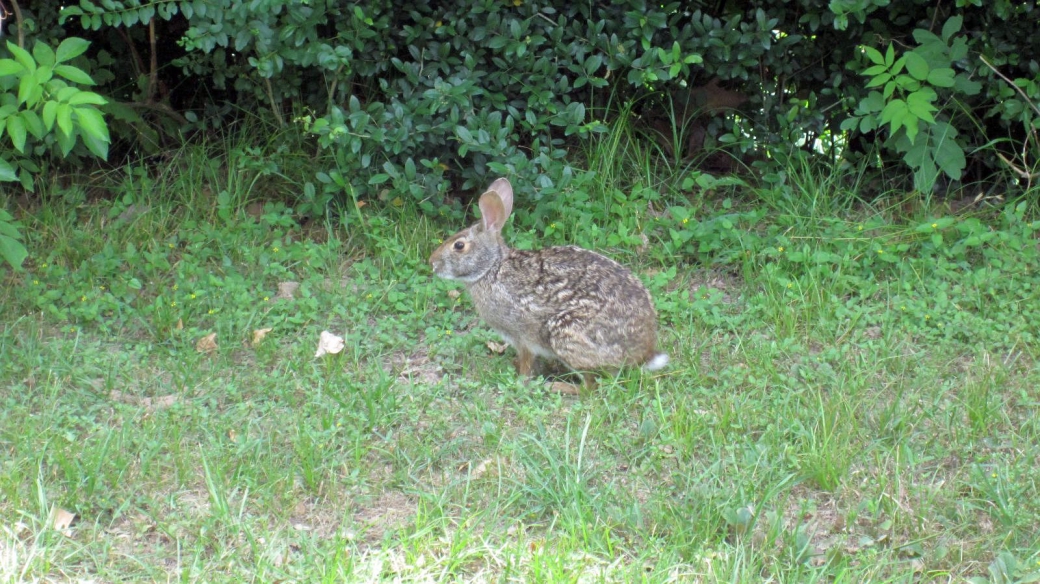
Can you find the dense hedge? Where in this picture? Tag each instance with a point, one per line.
(412, 93)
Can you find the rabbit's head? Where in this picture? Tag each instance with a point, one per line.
(471, 253)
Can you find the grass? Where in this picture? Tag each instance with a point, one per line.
(816, 424)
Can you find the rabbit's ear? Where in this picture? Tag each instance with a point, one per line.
(505, 192)
(493, 211)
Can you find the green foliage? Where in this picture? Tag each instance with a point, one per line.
(43, 110)
(426, 101)
(1006, 568)
(912, 85)
(939, 272)
(477, 90)
(163, 281)
(12, 250)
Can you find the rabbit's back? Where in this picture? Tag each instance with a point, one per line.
(571, 304)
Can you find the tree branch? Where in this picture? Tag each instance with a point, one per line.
(18, 23)
(1012, 84)
(274, 106)
(153, 69)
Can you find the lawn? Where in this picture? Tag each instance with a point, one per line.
(830, 413)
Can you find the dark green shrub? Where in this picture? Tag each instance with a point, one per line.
(429, 98)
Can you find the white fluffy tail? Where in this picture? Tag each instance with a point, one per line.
(658, 361)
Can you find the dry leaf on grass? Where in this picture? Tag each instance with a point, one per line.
(286, 290)
(497, 347)
(133, 211)
(62, 520)
(565, 388)
(481, 470)
(259, 334)
(207, 344)
(149, 403)
(255, 209)
(329, 343)
(454, 294)
(180, 324)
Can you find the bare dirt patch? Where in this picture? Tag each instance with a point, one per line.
(416, 366)
(731, 286)
(390, 511)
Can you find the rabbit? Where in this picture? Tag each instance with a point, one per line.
(560, 303)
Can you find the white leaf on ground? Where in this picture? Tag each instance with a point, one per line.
(497, 347)
(329, 343)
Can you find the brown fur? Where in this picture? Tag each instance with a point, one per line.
(563, 303)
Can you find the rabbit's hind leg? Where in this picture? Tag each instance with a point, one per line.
(524, 361)
(581, 351)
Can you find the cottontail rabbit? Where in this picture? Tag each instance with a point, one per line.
(563, 303)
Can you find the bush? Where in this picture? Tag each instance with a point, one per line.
(405, 96)
(43, 113)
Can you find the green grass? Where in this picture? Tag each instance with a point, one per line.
(827, 416)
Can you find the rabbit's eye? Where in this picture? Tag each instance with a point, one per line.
(459, 245)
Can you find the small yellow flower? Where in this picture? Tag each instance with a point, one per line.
(83, 299)
(447, 332)
(780, 249)
(102, 288)
(193, 297)
(935, 225)
(552, 226)
(993, 475)
(859, 228)
(175, 287)
(880, 251)
(36, 282)
(267, 298)
(903, 308)
(44, 266)
(927, 316)
(211, 311)
(369, 296)
(789, 284)
(438, 25)
(169, 245)
(685, 220)
(275, 249)
(174, 303)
